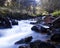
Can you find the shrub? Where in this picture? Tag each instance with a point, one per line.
(56, 13)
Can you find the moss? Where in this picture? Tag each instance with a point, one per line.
(56, 13)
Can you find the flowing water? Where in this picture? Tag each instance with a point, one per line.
(9, 36)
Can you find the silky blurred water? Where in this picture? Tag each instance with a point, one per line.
(9, 36)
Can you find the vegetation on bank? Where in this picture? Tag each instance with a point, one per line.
(21, 10)
(56, 13)
(6, 10)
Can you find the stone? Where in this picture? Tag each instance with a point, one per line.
(22, 47)
(5, 22)
(35, 28)
(25, 40)
(14, 22)
(40, 44)
(55, 38)
(40, 29)
(56, 22)
(46, 45)
(8, 23)
(35, 44)
(33, 23)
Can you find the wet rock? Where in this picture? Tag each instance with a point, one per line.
(57, 30)
(25, 40)
(24, 46)
(14, 22)
(35, 44)
(8, 23)
(55, 38)
(5, 22)
(35, 28)
(40, 44)
(21, 47)
(46, 45)
(40, 29)
(44, 30)
(56, 22)
(33, 23)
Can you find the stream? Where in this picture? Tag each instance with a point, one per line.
(9, 36)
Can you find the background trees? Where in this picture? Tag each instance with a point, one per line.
(32, 6)
(2, 2)
(50, 5)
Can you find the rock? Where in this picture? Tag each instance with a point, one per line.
(39, 29)
(25, 40)
(56, 22)
(32, 22)
(35, 44)
(22, 47)
(5, 22)
(14, 22)
(55, 38)
(44, 30)
(28, 39)
(8, 23)
(35, 28)
(57, 30)
(46, 45)
(40, 44)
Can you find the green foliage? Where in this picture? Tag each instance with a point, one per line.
(56, 13)
(3, 12)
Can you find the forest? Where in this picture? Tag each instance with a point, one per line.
(31, 7)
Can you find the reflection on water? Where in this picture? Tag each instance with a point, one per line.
(9, 36)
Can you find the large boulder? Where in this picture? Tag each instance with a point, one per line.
(40, 29)
(35, 44)
(40, 44)
(8, 23)
(56, 22)
(5, 22)
(56, 38)
(46, 45)
(25, 40)
(56, 31)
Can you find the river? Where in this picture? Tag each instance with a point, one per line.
(9, 36)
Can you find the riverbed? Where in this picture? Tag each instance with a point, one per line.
(9, 36)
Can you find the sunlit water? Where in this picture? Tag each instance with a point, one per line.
(9, 36)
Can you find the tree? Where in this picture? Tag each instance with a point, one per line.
(2, 2)
(50, 5)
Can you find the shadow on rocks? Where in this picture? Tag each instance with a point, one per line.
(55, 38)
(40, 44)
(25, 40)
